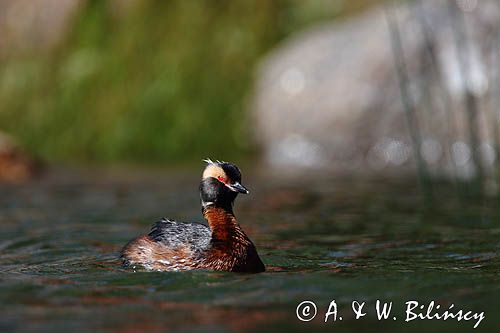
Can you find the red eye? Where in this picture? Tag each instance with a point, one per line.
(221, 179)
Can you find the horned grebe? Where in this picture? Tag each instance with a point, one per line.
(222, 245)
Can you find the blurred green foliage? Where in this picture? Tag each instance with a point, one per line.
(162, 81)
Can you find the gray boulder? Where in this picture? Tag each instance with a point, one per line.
(329, 98)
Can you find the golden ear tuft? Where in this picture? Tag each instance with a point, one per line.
(213, 170)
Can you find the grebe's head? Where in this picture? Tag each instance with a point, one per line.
(220, 184)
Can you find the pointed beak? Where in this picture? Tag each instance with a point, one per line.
(237, 187)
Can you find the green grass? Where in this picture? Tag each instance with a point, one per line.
(166, 81)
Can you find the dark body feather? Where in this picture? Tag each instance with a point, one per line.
(177, 246)
(178, 234)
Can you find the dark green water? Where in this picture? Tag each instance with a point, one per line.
(322, 241)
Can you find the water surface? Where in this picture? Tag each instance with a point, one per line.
(321, 240)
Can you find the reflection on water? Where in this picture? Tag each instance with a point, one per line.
(330, 239)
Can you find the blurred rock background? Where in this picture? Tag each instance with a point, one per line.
(356, 86)
(331, 97)
(15, 164)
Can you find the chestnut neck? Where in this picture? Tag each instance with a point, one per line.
(222, 222)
